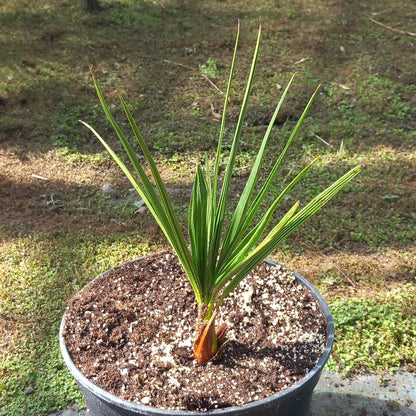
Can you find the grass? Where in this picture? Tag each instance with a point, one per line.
(57, 234)
(379, 333)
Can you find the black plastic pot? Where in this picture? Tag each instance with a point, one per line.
(295, 401)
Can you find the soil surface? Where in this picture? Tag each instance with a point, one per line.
(131, 332)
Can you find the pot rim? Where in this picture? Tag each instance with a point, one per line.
(154, 411)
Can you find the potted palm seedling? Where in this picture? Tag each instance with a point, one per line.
(210, 326)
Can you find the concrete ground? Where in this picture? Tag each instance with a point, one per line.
(393, 395)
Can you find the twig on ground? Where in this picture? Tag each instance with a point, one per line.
(195, 69)
(321, 139)
(302, 60)
(209, 80)
(346, 277)
(179, 64)
(344, 87)
(392, 28)
(39, 177)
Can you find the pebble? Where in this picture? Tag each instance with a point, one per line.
(109, 189)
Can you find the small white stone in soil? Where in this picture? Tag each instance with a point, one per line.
(186, 342)
(145, 400)
(173, 382)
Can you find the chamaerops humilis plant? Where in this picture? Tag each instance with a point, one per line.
(219, 254)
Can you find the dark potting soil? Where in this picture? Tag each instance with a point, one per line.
(131, 333)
